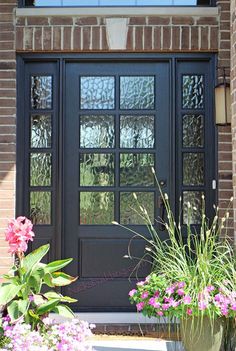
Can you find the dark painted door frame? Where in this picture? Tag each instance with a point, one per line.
(59, 64)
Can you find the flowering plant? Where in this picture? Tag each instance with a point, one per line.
(154, 297)
(68, 336)
(20, 293)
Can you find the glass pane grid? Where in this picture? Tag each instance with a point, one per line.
(41, 92)
(193, 91)
(41, 207)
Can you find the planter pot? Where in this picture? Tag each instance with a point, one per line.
(202, 334)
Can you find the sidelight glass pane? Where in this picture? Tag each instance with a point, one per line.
(97, 131)
(192, 214)
(40, 169)
(135, 169)
(137, 92)
(130, 212)
(137, 132)
(193, 91)
(97, 93)
(41, 92)
(193, 169)
(96, 169)
(41, 131)
(96, 207)
(193, 131)
(40, 207)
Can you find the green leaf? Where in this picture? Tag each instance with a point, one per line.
(47, 306)
(35, 282)
(64, 311)
(62, 279)
(53, 295)
(8, 292)
(33, 258)
(38, 300)
(57, 265)
(17, 309)
(47, 279)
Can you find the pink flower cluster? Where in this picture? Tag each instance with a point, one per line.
(159, 299)
(67, 336)
(18, 234)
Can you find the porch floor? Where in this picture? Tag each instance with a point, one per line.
(119, 343)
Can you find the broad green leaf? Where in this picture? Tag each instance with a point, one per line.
(38, 300)
(57, 265)
(35, 282)
(17, 309)
(47, 306)
(33, 258)
(62, 279)
(8, 292)
(47, 279)
(64, 311)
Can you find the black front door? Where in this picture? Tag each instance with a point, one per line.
(88, 135)
(117, 119)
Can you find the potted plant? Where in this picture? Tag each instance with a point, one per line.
(193, 278)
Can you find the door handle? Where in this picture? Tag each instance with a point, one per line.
(161, 206)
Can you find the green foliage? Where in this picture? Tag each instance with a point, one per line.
(20, 294)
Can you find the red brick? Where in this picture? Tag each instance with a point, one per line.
(130, 39)
(38, 39)
(47, 38)
(158, 21)
(166, 38)
(8, 120)
(185, 38)
(95, 38)
(86, 21)
(7, 139)
(5, 36)
(6, 45)
(183, 20)
(137, 21)
(19, 38)
(7, 84)
(194, 38)
(20, 21)
(157, 38)
(6, 27)
(61, 21)
(86, 38)
(148, 38)
(6, 8)
(214, 38)
(67, 38)
(37, 21)
(7, 102)
(138, 38)
(28, 36)
(77, 38)
(104, 39)
(204, 38)
(8, 55)
(7, 157)
(207, 21)
(56, 38)
(175, 38)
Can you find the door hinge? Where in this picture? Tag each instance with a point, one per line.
(214, 184)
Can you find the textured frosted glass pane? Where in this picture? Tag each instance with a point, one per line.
(40, 169)
(193, 131)
(97, 131)
(193, 215)
(137, 93)
(193, 91)
(40, 207)
(96, 207)
(129, 209)
(41, 92)
(96, 169)
(135, 169)
(41, 131)
(137, 131)
(97, 93)
(193, 169)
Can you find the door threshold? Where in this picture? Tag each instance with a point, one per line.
(115, 318)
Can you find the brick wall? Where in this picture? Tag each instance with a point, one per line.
(7, 123)
(77, 34)
(84, 34)
(233, 97)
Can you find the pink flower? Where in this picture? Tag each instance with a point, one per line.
(165, 306)
(170, 290)
(154, 302)
(140, 306)
(233, 306)
(144, 295)
(180, 292)
(189, 311)
(18, 233)
(210, 288)
(156, 294)
(141, 283)
(160, 313)
(187, 299)
(224, 310)
(181, 285)
(132, 292)
(202, 305)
